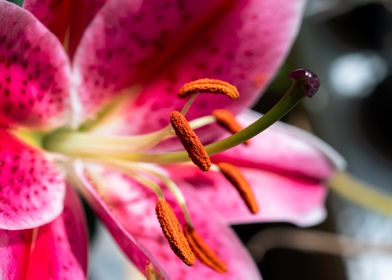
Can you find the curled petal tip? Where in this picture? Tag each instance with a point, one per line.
(310, 80)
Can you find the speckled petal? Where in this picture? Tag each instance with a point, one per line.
(133, 209)
(60, 248)
(57, 250)
(31, 189)
(162, 44)
(34, 71)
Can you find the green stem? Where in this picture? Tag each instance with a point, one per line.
(280, 109)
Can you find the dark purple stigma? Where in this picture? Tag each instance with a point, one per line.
(310, 81)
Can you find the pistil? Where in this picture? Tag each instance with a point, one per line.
(305, 84)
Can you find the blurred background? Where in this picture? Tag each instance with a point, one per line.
(349, 44)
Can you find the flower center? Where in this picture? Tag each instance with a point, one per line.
(129, 154)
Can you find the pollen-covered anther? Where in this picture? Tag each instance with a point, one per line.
(209, 86)
(172, 230)
(227, 120)
(236, 178)
(190, 141)
(205, 254)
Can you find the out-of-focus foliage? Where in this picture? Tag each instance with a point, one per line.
(18, 2)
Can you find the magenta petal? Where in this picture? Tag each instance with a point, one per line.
(57, 17)
(133, 210)
(60, 248)
(15, 246)
(34, 80)
(31, 189)
(82, 14)
(57, 250)
(282, 149)
(161, 45)
(54, 14)
(280, 198)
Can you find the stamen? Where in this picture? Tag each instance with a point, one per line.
(203, 251)
(188, 104)
(172, 230)
(95, 178)
(174, 189)
(305, 84)
(227, 120)
(209, 86)
(241, 184)
(190, 141)
(91, 145)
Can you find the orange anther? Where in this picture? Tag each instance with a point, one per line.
(172, 230)
(227, 120)
(209, 86)
(236, 178)
(205, 254)
(190, 141)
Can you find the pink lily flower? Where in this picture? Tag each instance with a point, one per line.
(139, 53)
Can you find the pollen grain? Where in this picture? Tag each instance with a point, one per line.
(209, 86)
(172, 230)
(190, 141)
(235, 177)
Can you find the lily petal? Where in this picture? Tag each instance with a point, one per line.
(15, 246)
(161, 45)
(34, 82)
(60, 248)
(283, 149)
(280, 198)
(57, 250)
(31, 189)
(57, 17)
(286, 167)
(82, 14)
(133, 209)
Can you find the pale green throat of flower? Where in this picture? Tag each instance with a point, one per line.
(128, 153)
